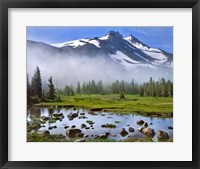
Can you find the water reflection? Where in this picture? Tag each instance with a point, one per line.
(99, 118)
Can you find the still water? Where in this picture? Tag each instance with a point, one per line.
(100, 118)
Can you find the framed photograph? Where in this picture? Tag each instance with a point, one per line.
(99, 84)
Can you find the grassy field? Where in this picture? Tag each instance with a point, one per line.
(162, 106)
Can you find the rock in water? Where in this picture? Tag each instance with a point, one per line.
(79, 135)
(130, 129)
(140, 129)
(104, 135)
(140, 122)
(146, 125)
(162, 135)
(170, 127)
(73, 126)
(72, 132)
(123, 132)
(83, 126)
(149, 132)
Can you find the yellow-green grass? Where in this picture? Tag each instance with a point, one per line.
(112, 103)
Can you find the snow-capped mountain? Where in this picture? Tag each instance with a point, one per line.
(125, 50)
(109, 57)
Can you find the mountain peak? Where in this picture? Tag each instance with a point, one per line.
(132, 38)
(113, 34)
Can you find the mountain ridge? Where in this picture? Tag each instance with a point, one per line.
(111, 56)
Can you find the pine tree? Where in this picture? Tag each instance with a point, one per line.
(83, 88)
(78, 88)
(36, 84)
(141, 90)
(52, 91)
(71, 91)
(67, 90)
(28, 87)
(100, 87)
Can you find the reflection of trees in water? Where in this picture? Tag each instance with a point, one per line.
(36, 112)
(51, 111)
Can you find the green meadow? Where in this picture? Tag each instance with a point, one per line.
(160, 106)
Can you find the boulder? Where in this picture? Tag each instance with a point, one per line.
(73, 126)
(140, 129)
(170, 128)
(140, 122)
(162, 135)
(44, 118)
(104, 135)
(82, 114)
(87, 128)
(146, 125)
(149, 132)
(103, 125)
(71, 115)
(51, 127)
(66, 127)
(85, 136)
(79, 135)
(123, 132)
(83, 126)
(131, 129)
(58, 115)
(72, 132)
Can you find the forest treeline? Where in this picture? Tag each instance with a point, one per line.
(37, 93)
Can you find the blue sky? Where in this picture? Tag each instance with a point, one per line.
(159, 37)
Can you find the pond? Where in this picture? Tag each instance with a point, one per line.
(98, 119)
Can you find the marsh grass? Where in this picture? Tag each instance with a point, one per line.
(147, 106)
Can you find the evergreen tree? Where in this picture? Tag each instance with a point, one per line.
(169, 88)
(28, 87)
(52, 91)
(141, 90)
(78, 88)
(36, 84)
(71, 91)
(83, 88)
(100, 87)
(67, 90)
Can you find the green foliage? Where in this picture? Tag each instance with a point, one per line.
(68, 90)
(161, 106)
(52, 91)
(36, 84)
(89, 121)
(107, 125)
(159, 88)
(121, 96)
(36, 137)
(78, 88)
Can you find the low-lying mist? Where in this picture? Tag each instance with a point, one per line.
(68, 69)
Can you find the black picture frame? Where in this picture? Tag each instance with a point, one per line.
(4, 69)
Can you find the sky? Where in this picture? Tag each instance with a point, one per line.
(156, 37)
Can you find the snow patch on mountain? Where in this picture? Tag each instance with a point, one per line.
(123, 59)
(135, 42)
(77, 43)
(104, 37)
(74, 44)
